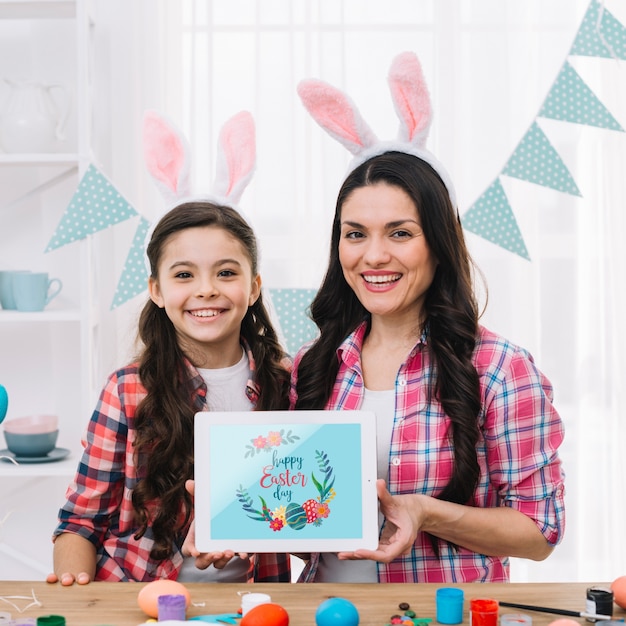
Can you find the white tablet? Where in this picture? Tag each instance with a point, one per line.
(286, 481)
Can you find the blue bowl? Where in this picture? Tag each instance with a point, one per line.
(31, 444)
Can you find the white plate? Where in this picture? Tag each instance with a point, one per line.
(56, 455)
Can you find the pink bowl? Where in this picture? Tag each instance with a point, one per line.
(32, 424)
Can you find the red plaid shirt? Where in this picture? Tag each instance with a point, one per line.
(520, 432)
(99, 505)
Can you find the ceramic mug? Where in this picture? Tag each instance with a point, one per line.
(6, 288)
(33, 291)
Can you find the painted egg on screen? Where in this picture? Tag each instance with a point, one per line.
(295, 516)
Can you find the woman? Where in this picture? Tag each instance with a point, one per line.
(467, 434)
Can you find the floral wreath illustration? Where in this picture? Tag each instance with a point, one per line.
(295, 516)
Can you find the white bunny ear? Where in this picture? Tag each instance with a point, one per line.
(336, 114)
(236, 156)
(411, 99)
(167, 156)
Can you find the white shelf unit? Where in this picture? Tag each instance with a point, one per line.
(48, 360)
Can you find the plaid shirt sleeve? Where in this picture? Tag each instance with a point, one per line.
(523, 432)
(97, 491)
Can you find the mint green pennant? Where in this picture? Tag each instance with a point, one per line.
(134, 278)
(291, 307)
(606, 38)
(536, 161)
(95, 205)
(492, 218)
(571, 100)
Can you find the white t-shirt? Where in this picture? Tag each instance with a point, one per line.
(226, 391)
(331, 569)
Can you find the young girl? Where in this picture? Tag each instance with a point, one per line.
(208, 344)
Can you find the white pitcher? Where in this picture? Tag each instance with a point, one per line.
(32, 120)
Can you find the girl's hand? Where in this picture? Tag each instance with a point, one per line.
(404, 517)
(67, 579)
(205, 559)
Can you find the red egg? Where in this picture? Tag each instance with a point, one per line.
(269, 614)
(148, 597)
(618, 587)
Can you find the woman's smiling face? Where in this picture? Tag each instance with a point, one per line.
(205, 284)
(383, 252)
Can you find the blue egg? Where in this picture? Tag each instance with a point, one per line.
(336, 612)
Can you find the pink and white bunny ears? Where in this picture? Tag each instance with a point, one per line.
(167, 157)
(337, 114)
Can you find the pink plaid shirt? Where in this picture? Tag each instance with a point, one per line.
(520, 432)
(99, 506)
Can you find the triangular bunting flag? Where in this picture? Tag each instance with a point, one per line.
(571, 100)
(536, 161)
(600, 35)
(134, 278)
(291, 308)
(95, 205)
(491, 217)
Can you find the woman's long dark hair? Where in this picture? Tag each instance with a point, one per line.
(450, 312)
(164, 418)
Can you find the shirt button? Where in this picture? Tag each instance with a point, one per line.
(395, 461)
(402, 382)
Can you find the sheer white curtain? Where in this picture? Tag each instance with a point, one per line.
(489, 65)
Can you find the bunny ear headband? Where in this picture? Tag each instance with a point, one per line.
(339, 117)
(167, 157)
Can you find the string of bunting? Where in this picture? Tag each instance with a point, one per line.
(535, 159)
(96, 205)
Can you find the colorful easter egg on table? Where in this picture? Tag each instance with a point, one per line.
(295, 516)
(148, 597)
(336, 612)
(618, 587)
(269, 614)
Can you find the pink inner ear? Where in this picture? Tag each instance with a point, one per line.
(339, 120)
(239, 147)
(164, 152)
(410, 94)
(335, 113)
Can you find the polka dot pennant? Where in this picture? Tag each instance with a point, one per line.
(536, 161)
(492, 218)
(604, 38)
(134, 278)
(95, 205)
(291, 307)
(571, 100)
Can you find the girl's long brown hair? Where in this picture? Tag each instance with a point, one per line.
(164, 418)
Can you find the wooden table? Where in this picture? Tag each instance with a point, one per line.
(115, 604)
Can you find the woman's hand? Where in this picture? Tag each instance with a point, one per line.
(493, 531)
(205, 559)
(404, 517)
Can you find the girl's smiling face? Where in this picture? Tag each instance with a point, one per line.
(205, 284)
(383, 252)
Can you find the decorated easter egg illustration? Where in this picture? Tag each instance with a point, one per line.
(295, 516)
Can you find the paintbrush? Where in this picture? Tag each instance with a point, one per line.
(545, 609)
